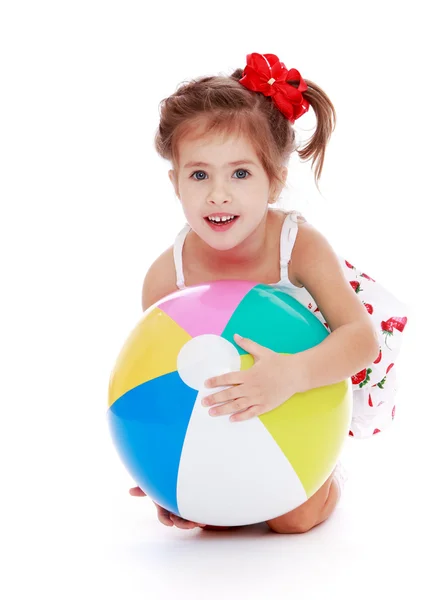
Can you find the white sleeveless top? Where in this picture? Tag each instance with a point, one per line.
(287, 241)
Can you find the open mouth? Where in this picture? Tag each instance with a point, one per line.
(221, 223)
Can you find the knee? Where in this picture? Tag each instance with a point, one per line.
(307, 516)
(300, 520)
(284, 526)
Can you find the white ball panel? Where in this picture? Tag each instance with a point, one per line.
(233, 473)
(206, 356)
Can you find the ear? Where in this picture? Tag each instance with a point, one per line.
(278, 189)
(171, 174)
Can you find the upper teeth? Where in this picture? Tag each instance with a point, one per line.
(218, 219)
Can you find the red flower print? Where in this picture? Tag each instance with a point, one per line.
(367, 277)
(361, 378)
(369, 308)
(389, 325)
(356, 286)
(379, 358)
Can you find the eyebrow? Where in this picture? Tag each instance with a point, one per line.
(230, 164)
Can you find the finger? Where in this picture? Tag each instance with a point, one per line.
(164, 516)
(233, 378)
(251, 412)
(185, 522)
(165, 519)
(136, 491)
(182, 523)
(224, 396)
(253, 348)
(229, 407)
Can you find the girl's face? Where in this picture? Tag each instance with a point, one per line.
(221, 177)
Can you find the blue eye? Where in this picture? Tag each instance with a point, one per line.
(237, 171)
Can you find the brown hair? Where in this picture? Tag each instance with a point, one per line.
(220, 104)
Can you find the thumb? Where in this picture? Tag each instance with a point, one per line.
(252, 347)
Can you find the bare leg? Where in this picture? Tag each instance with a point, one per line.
(312, 512)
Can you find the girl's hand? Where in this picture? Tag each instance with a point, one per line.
(164, 516)
(272, 380)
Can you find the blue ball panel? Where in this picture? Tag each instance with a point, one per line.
(148, 425)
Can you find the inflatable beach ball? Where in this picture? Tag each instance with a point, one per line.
(207, 469)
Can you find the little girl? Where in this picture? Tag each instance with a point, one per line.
(228, 140)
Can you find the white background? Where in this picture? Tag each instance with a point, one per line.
(86, 206)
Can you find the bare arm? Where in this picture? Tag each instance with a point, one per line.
(353, 342)
(159, 280)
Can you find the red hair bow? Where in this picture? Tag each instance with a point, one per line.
(264, 73)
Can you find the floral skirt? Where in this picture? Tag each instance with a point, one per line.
(374, 386)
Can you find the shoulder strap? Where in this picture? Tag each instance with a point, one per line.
(178, 259)
(288, 236)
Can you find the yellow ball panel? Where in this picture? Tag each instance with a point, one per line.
(247, 361)
(150, 351)
(310, 428)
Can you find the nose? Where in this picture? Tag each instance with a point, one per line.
(222, 201)
(219, 196)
